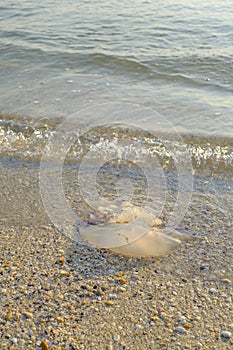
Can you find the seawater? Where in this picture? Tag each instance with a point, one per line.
(58, 57)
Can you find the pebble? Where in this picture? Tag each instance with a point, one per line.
(64, 273)
(182, 320)
(44, 345)
(21, 342)
(225, 280)
(14, 341)
(27, 314)
(109, 347)
(8, 315)
(116, 337)
(30, 332)
(109, 302)
(123, 281)
(226, 335)
(199, 345)
(180, 330)
(59, 319)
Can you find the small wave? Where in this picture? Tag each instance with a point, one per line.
(91, 61)
(25, 138)
(214, 72)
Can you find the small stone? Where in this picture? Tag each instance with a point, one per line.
(98, 291)
(27, 314)
(182, 320)
(119, 274)
(89, 288)
(226, 335)
(123, 281)
(14, 341)
(226, 280)
(213, 291)
(21, 342)
(109, 347)
(154, 318)
(64, 273)
(158, 222)
(109, 302)
(204, 267)
(187, 326)
(30, 332)
(217, 333)
(184, 279)
(44, 345)
(59, 319)
(62, 260)
(180, 330)
(116, 337)
(42, 320)
(8, 315)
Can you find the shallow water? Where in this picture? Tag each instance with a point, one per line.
(175, 58)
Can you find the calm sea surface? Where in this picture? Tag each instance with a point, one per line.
(176, 57)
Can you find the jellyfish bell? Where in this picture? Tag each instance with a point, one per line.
(153, 243)
(133, 239)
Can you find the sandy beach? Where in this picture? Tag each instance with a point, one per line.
(56, 294)
(109, 106)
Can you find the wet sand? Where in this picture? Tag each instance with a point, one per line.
(56, 294)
